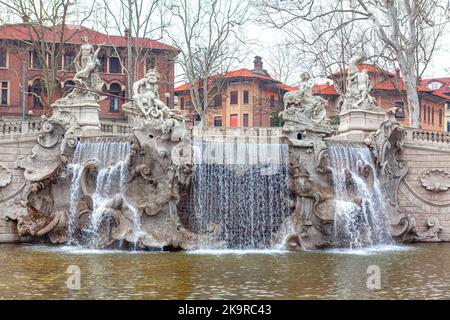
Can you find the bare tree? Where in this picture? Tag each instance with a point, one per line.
(210, 43)
(45, 29)
(409, 30)
(283, 63)
(141, 20)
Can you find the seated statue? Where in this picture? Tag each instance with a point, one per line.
(147, 110)
(303, 108)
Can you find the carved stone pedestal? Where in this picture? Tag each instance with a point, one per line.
(357, 124)
(83, 112)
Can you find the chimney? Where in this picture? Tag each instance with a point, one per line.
(397, 73)
(258, 64)
(25, 19)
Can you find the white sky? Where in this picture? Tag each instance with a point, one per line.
(262, 40)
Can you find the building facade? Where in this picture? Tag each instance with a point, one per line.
(389, 91)
(19, 65)
(248, 98)
(441, 87)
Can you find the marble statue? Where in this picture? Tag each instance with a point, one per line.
(86, 63)
(359, 86)
(146, 108)
(302, 109)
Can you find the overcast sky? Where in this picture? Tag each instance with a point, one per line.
(263, 39)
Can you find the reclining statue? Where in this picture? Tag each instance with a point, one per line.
(302, 108)
(147, 101)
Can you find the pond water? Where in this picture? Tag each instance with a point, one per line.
(39, 272)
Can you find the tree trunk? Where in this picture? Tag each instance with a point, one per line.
(412, 98)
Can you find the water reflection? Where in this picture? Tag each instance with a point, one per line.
(33, 272)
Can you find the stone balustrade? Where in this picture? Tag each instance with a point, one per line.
(115, 128)
(9, 128)
(425, 136)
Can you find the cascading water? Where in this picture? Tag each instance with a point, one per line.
(360, 215)
(111, 162)
(243, 188)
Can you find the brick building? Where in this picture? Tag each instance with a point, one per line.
(389, 90)
(441, 87)
(18, 60)
(249, 98)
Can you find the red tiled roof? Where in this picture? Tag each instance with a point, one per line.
(441, 94)
(325, 89)
(443, 91)
(286, 87)
(243, 73)
(74, 33)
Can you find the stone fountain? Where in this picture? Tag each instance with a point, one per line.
(311, 189)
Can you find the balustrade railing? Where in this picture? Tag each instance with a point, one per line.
(18, 127)
(418, 135)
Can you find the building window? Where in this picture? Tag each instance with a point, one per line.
(114, 65)
(245, 120)
(245, 97)
(175, 102)
(432, 115)
(434, 85)
(233, 120)
(448, 126)
(218, 101)
(182, 103)
(103, 64)
(150, 62)
(34, 61)
(233, 97)
(114, 100)
(400, 112)
(69, 64)
(424, 114)
(36, 90)
(3, 58)
(272, 101)
(440, 118)
(4, 97)
(233, 82)
(217, 121)
(429, 115)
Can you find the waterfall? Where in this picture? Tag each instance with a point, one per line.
(360, 213)
(111, 160)
(242, 187)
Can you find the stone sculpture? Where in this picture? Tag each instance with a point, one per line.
(435, 180)
(87, 78)
(147, 106)
(144, 213)
(357, 96)
(303, 110)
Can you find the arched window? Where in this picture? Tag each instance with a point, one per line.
(36, 91)
(424, 114)
(432, 115)
(114, 101)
